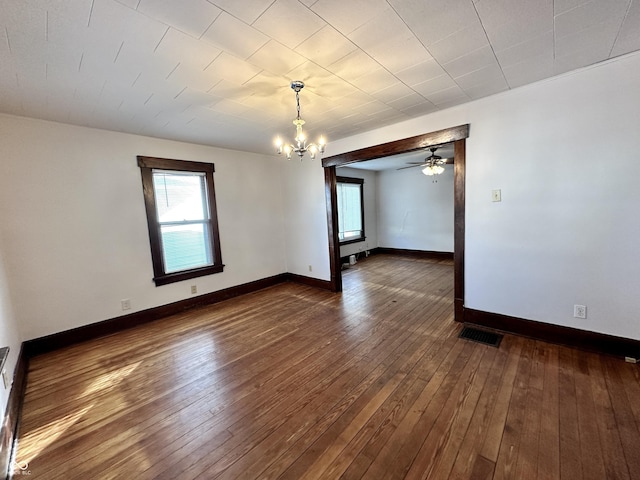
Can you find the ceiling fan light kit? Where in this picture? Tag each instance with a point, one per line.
(432, 165)
(299, 145)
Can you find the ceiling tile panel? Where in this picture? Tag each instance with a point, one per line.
(112, 20)
(540, 45)
(189, 16)
(374, 108)
(385, 27)
(577, 60)
(420, 72)
(177, 47)
(233, 69)
(561, 6)
(282, 18)
(590, 14)
(354, 65)
(193, 79)
(434, 85)
(451, 95)
(234, 36)
(419, 109)
(485, 89)
(436, 19)
(228, 89)
(489, 74)
(412, 52)
(530, 70)
(326, 46)
(375, 81)
(474, 60)
(246, 10)
(408, 101)
(348, 16)
(276, 58)
(268, 85)
(628, 39)
(599, 37)
(459, 43)
(512, 21)
(396, 91)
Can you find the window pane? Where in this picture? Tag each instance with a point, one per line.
(185, 246)
(349, 211)
(179, 197)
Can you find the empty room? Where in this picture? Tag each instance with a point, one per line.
(318, 239)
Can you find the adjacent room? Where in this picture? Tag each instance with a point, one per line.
(382, 239)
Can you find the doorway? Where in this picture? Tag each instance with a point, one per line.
(458, 136)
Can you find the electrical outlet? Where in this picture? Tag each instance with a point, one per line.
(310, 268)
(630, 360)
(580, 311)
(125, 304)
(194, 289)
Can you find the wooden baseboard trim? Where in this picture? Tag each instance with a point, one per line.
(311, 282)
(458, 309)
(9, 431)
(422, 254)
(66, 338)
(572, 337)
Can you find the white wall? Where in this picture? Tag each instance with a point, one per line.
(415, 212)
(564, 152)
(305, 218)
(370, 189)
(74, 228)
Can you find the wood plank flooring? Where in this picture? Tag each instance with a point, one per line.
(294, 382)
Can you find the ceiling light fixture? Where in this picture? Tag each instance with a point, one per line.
(434, 164)
(300, 142)
(434, 169)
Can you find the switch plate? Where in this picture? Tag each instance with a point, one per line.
(580, 311)
(496, 195)
(5, 380)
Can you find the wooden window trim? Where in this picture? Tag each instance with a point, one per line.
(147, 165)
(357, 181)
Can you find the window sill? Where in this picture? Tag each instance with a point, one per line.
(187, 274)
(352, 240)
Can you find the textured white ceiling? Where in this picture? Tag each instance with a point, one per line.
(217, 72)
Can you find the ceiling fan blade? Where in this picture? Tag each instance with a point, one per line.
(412, 166)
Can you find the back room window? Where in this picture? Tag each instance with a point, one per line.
(350, 209)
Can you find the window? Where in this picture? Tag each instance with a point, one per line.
(350, 210)
(181, 214)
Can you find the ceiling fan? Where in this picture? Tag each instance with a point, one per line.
(432, 165)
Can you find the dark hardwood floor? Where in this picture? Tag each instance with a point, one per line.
(294, 382)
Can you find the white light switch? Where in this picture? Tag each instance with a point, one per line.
(496, 195)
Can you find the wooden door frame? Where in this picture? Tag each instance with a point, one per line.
(458, 136)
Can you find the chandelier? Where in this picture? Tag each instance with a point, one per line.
(300, 145)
